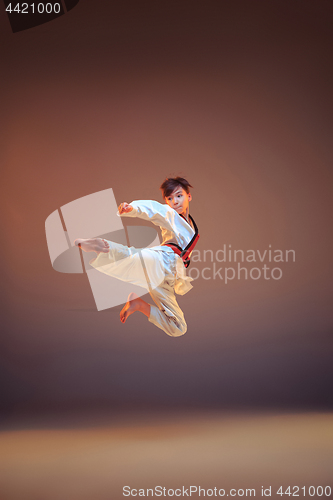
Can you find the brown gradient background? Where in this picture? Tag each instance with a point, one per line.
(237, 97)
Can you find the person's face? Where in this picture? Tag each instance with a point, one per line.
(179, 200)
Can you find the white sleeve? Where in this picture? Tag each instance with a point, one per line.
(153, 211)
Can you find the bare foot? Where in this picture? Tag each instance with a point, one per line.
(93, 245)
(132, 305)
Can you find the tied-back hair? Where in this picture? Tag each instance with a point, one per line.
(171, 183)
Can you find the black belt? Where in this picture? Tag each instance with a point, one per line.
(184, 253)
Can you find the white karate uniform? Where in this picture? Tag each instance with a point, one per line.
(158, 269)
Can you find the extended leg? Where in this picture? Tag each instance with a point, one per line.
(92, 245)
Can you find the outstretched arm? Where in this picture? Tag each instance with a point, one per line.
(161, 215)
(124, 208)
(150, 210)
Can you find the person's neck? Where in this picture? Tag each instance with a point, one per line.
(185, 214)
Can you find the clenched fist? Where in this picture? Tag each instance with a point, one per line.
(124, 208)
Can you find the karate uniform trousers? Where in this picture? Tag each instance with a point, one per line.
(159, 270)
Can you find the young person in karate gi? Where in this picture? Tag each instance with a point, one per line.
(162, 267)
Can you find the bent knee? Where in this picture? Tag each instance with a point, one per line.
(180, 330)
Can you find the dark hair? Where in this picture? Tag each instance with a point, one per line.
(170, 184)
